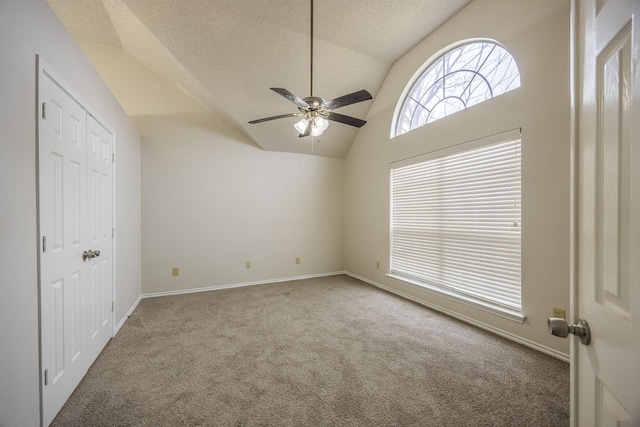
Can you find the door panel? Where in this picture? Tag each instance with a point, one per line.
(607, 380)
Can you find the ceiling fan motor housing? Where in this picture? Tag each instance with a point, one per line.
(315, 103)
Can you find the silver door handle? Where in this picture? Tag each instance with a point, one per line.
(559, 327)
(90, 254)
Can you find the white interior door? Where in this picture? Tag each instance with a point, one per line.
(606, 380)
(75, 214)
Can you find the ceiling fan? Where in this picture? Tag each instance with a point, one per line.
(315, 111)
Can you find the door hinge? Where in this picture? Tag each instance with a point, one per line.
(44, 243)
(46, 377)
(113, 157)
(113, 306)
(113, 232)
(44, 111)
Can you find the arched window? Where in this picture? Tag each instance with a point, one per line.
(464, 76)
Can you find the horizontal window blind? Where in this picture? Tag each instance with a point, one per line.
(456, 220)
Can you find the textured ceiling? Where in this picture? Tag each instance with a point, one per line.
(226, 54)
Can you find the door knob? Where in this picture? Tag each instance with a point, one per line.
(90, 254)
(559, 327)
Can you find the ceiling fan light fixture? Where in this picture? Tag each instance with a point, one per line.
(301, 125)
(322, 123)
(318, 126)
(316, 131)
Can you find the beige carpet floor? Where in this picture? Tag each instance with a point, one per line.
(331, 351)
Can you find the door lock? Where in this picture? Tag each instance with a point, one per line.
(559, 327)
(90, 254)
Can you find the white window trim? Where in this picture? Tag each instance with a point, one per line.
(487, 306)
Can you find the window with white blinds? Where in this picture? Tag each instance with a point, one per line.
(456, 221)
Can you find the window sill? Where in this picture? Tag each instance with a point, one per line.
(504, 312)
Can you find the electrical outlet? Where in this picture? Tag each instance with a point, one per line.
(559, 312)
(297, 260)
(247, 265)
(378, 265)
(175, 271)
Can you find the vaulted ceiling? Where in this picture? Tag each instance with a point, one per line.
(226, 54)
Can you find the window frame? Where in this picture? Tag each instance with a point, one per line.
(425, 67)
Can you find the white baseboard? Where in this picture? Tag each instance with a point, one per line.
(129, 313)
(471, 321)
(239, 285)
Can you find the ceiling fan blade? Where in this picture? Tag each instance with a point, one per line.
(307, 131)
(352, 98)
(291, 97)
(347, 120)
(266, 119)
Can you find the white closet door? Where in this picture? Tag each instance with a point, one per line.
(75, 214)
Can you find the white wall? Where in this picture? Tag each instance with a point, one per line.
(212, 200)
(27, 28)
(537, 34)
